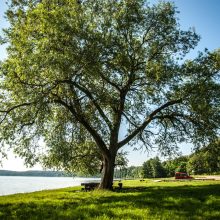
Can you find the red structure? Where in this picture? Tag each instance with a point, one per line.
(181, 175)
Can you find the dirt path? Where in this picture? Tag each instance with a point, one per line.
(212, 177)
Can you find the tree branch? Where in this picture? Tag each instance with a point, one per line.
(90, 96)
(110, 82)
(100, 143)
(13, 108)
(147, 121)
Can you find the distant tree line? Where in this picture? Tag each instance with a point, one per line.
(35, 173)
(132, 172)
(203, 161)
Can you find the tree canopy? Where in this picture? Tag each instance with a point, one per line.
(80, 72)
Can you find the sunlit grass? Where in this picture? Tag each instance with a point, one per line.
(137, 200)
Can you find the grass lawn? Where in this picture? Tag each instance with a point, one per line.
(137, 200)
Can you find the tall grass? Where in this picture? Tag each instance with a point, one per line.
(137, 200)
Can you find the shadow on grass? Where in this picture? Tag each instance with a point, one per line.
(180, 202)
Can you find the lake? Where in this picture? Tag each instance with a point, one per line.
(23, 184)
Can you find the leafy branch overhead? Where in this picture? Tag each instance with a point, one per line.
(93, 76)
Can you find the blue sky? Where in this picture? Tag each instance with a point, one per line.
(203, 15)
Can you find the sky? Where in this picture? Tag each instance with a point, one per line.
(203, 15)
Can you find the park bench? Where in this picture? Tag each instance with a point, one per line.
(89, 186)
(92, 185)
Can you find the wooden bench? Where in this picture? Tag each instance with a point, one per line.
(92, 185)
(89, 186)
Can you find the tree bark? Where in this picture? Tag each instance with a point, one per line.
(108, 172)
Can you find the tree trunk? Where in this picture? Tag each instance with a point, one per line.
(107, 173)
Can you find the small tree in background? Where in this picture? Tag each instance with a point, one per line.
(147, 171)
(206, 160)
(169, 167)
(197, 164)
(153, 168)
(175, 165)
(181, 167)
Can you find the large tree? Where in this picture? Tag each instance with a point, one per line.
(85, 78)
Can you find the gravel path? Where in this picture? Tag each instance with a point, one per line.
(212, 177)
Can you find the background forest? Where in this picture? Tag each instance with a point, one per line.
(203, 161)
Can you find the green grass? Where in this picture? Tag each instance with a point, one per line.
(137, 200)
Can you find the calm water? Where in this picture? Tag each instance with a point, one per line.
(17, 184)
